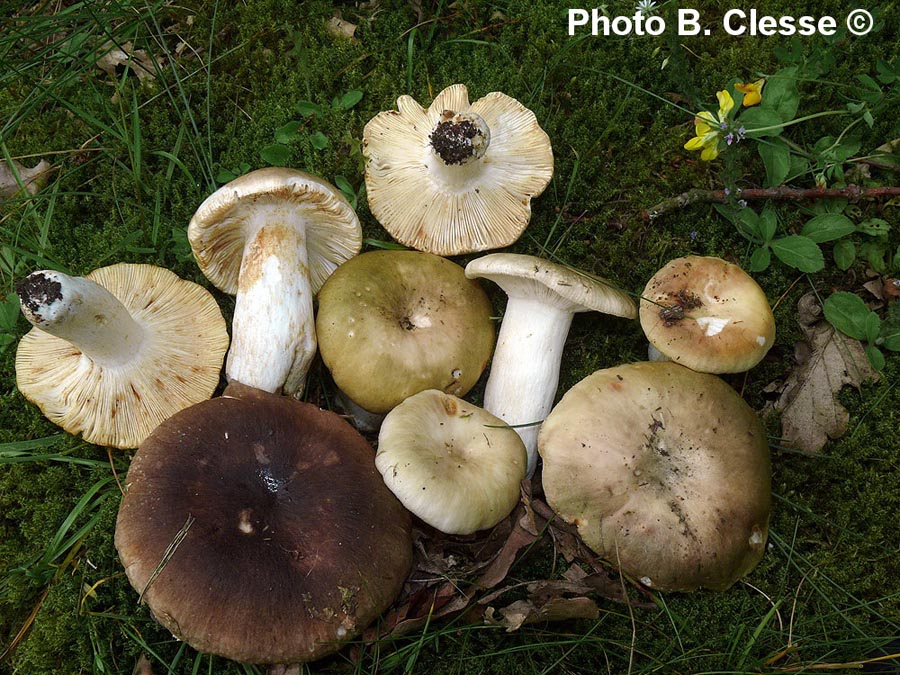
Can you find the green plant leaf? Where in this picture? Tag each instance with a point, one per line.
(288, 132)
(9, 313)
(844, 254)
(746, 221)
(780, 94)
(276, 154)
(847, 313)
(873, 327)
(768, 224)
(874, 227)
(346, 189)
(874, 252)
(348, 100)
(6, 339)
(318, 140)
(760, 259)
(761, 118)
(828, 227)
(799, 252)
(876, 358)
(307, 108)
(890, 329)
(777, 158)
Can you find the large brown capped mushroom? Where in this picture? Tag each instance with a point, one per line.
(456, 177)
(115, 353)
(665, 472)
(257, 528)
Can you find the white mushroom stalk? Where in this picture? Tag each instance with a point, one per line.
(83, 313)
(272, 237)
(543, 299)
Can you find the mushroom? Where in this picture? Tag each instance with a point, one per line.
(394, 323)
(543, 298)
(665, 471)
(452, 464)
(707, 314)
(257, 528)
(272, 237)
(115, 353)
(457, 177)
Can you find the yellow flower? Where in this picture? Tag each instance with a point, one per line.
(752, 92)
(708, 128)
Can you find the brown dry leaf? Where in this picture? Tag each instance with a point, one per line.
(138, 60)
(810, 411)
(336, 27)
(521, 612)
(33, 179)
(143, 667)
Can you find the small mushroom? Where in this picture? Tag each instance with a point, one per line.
(456, 177)
(665, 471)
(394, 323)
(707, 314)
(272, 237)
(543, 298)
(115, 353)
(257, 528)
(452, 464)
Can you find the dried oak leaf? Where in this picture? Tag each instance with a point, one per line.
(116, 57)
(827, 361)
(33, 179)
(555, 608)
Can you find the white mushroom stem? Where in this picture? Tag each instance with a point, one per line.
(82, 312)
(273, 330)
(525, 368)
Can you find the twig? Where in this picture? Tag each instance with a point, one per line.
(854, 193)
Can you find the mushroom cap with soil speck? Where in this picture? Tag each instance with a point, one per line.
(665, 471)
(394, 323)
(284, 540)
(707, 314)
(452, 464)
(456, 177)
(115, 353)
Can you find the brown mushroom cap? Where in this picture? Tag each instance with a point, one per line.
(665, 472)
(294, 543)
(176, 364)
(394, 323)
(707, 314)
(456, 177)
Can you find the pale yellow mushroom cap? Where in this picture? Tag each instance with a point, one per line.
(469, 204)
(177, 365)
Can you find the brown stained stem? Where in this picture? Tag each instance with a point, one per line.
(853, 193)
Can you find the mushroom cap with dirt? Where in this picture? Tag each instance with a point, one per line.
(271, 237)
(394, 323)
(452, 464)
(665, 471)
(115, 353)
(456, 177)
(543, 297)
(257, 528)
(707, 314)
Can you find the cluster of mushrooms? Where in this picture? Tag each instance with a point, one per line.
(662, 467)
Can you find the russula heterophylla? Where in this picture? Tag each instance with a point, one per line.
(707, 314)
(455, 177)
(543, 297)
(451, 463)
(394, 323)
(271, 237)
(665, 471)
(256, 527)
(113, 354)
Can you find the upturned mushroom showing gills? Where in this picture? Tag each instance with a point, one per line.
(272, 237)
(452, 464)
(543, 299)
(394, 323)
(707, 314)
(456, 177)
(665, 471)
(115, 353)
(257, 528)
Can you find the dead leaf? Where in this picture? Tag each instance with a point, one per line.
(142, 667)
(522, 612)
(336, 27)
(810, 411)
(33, 179)
(115, 57)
